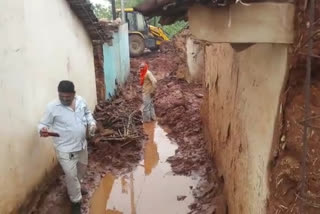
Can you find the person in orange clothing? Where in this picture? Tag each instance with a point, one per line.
(149, 84)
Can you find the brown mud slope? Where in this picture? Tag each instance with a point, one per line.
(285, 183)
(107, 153)
(177, 105)
(285, 173)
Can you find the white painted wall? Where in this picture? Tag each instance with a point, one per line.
(42, 42)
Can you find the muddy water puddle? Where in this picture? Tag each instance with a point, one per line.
(151, 188)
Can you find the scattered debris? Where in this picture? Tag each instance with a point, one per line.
(118, 122)
(285, 171)
(117, 148)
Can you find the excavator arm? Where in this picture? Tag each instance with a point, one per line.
(158, 33)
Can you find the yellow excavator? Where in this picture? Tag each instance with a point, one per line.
(142, 35)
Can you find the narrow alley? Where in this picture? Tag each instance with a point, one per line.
(160, 107)
(167, 172)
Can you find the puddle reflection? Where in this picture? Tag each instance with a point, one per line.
(151, 155)
(151, 188)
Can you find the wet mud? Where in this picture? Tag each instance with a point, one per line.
(177, 105)
(167, 171)
(151, 187)
(285, 181)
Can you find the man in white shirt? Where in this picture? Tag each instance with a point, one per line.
(69, 117)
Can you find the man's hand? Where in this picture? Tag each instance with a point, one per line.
(44, 132)
(92, 130)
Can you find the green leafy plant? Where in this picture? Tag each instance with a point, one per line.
(102, 11)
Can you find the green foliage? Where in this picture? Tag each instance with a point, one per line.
(105, 12)
(128, 3)
(174, 28)
(102, 11)
(170, 30)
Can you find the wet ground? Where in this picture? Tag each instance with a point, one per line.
(167, 172)
(152, 187)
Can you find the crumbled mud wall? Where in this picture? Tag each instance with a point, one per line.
(190, 57)
(246, 65)
(240, 112)
(98, 65)
(195, 60)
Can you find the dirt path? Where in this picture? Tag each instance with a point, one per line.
(156, 167)
(177, 106)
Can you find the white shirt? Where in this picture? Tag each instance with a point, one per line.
(69, 124)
